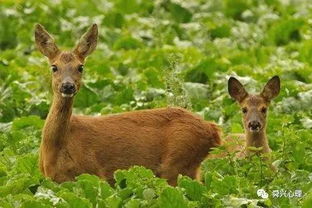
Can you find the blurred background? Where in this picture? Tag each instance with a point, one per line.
(158, 53)
(162, 53)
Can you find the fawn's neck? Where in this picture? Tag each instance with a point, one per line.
(257, 139)
(57, 122)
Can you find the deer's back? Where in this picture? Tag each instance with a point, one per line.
(102, 144)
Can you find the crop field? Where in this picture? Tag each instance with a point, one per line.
(154, 54)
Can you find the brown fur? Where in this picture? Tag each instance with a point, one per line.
(170, 141)
(67, 57)
(253, 110)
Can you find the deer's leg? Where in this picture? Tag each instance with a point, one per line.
(170, 169)
(103, 174)
(198, 176)
(183, 155)
(169, 172)
(175, 163)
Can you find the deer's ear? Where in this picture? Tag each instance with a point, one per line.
(45, 42)
(271, 89)
(236, 90)
(87, 42)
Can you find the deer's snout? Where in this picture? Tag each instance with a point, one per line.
(68, 89)
(254, 125)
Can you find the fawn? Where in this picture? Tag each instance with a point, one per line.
(169, 141)
(254, 109)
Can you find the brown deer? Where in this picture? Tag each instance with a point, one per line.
(254, 109)
(169, 141)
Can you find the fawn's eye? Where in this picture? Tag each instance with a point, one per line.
(263, 110)
(244, 110)
(80, 68)
(54, 68)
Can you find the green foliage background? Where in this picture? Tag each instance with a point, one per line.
(153, 54)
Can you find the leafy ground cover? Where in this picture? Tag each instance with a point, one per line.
(153, 54)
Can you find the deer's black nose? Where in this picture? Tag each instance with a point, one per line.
(68, 88)
(254, 125)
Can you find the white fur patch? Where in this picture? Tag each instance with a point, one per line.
(67, 95)
(255, 130)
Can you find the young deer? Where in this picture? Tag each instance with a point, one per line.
(254, 109)
(170, 141)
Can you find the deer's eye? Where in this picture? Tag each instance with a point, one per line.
(263, 110)
(244, 110)
(80, 68)
(54, 68)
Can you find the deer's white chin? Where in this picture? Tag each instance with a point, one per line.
(255, 130)
(67, 95)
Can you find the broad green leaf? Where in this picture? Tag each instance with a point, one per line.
(30, 121)
(113, 201)
(172, 198)
(74, 200)
(194, 190)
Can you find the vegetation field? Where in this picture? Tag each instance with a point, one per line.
(153, 54)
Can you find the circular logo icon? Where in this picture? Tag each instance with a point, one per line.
(262, 193)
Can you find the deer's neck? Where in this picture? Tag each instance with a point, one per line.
(57, 123)
(258, 139)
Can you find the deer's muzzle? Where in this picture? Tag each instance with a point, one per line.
(68, 89)
(254, 126)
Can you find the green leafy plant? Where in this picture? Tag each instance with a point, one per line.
(153, 54)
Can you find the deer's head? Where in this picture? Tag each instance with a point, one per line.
(66, 66)
(254, 107)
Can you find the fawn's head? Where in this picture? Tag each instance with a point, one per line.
(66, 66)
(254, 107)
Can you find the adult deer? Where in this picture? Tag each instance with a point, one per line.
(170, 141)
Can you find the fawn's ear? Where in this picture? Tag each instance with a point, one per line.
(271, 89)
(45, 42)
(87, 42)
(236, 90)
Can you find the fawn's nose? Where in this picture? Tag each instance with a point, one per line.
(254, 125)
(68, 88)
